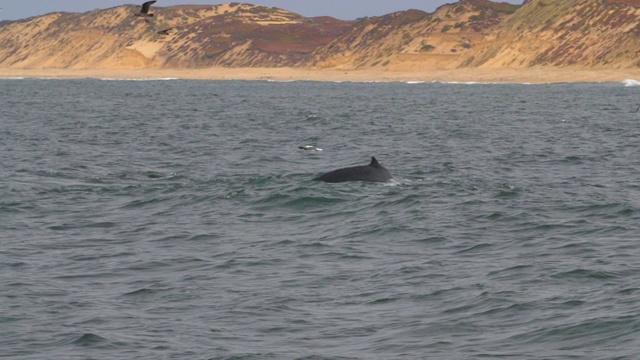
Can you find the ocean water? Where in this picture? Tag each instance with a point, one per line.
(179, 220)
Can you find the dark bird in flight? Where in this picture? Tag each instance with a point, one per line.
(638, 109)
(144, 9)
(164, 32)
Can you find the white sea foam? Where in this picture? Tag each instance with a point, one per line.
(631, 82)
(138, 79)
(85, 78)
(393, 182)
(487, 83)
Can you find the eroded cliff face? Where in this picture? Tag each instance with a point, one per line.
(442, 39)
(469, 33)
(582, 33)
(224, 35)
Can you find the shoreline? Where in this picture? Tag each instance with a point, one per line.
(467, 75)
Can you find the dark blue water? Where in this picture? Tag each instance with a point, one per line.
(178, 220)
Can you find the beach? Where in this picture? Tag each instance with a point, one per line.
(500, 75)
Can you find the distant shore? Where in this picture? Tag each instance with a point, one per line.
(505, 75)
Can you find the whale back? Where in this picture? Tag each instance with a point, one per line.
(374, 172)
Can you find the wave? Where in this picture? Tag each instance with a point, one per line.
(34, 78)
(138, 79)
(631, 82)
(85, 78)
(467, 82)
(485, 83)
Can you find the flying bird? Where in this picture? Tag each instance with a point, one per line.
(144, 10)
(638, 109)
(164, 32)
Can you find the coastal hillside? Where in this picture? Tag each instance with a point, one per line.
(583, 33)
(180, 36)
(442, 39)
(467, 33)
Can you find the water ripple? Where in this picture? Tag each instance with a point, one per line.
(189, 226)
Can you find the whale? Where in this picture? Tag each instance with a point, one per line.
(374, 172)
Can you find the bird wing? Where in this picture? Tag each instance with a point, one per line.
(146, 6)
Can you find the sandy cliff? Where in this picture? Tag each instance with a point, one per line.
(467, 34)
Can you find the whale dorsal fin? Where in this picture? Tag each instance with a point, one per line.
(374, 163)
